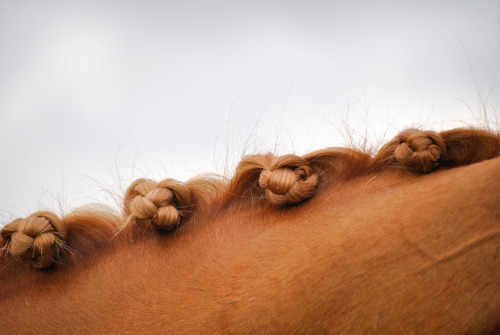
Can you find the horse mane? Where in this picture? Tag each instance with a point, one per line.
(154, 209)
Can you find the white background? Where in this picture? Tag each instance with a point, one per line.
(94, 94)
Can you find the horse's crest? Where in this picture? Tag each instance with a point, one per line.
(334, 241)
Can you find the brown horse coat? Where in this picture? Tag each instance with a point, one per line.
(376, 250)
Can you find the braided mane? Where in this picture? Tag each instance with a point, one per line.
(43, 239)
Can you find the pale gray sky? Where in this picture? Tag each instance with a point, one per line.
(92, 92)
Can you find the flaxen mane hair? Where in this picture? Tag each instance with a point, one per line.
(45, 241)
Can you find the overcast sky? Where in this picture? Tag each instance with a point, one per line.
(94, 94)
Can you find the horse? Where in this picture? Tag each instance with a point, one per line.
(405, 240)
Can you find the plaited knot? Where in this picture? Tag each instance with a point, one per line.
(288, 180)
(157, 205)
(39, 238)
(420, 151)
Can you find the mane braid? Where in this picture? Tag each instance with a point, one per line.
(424, 151)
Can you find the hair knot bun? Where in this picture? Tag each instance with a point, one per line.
(421, 151)
(157, 205)
(288, 180)
(39, 238)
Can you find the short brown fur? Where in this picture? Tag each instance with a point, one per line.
(378, 245)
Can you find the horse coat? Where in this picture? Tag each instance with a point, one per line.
(337, 241)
